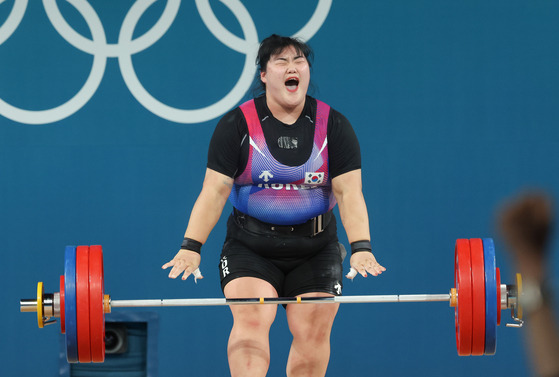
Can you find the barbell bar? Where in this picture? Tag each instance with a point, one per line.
(478, 298)
(280, 300)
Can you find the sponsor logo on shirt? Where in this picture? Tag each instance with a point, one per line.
(288, 142)
(266, 175)
(285, 186)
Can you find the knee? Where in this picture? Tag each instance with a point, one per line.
(249, 325)
(249, 336)
(311, 332)
(314, 328)
(253, 320)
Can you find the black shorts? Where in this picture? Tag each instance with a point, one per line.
(293, 265)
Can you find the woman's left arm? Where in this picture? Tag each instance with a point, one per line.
(347, 189)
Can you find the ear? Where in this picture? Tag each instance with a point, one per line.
(263, 76)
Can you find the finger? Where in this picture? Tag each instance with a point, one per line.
(376, 269)
(373, 269)
(175, 272)
(187, 273)
(362, 270)
(352, 273)
(177, 269)
(191, 270)
(168, 264)
(197, 275)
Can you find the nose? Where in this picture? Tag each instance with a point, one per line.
(291, 68)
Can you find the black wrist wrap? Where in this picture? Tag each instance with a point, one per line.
(190, 244)
(364, 245)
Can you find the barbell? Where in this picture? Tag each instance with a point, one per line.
(81, 304)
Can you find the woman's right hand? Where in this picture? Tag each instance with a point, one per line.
(187, 261)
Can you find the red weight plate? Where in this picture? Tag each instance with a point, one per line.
(62, 311)
(96, 309)
(82, 304)
(478, 296)
(498, 296)
(463, 284)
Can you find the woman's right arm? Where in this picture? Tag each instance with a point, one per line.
(205, 214)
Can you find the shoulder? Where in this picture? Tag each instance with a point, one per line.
(231, 128)
(233, 120)
(341, 134)
(232, 116)
(225, 145)
(338, 124)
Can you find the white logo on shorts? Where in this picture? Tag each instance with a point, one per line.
(338, 288)
(224, 268)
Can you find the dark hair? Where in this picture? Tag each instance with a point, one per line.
(273, 45)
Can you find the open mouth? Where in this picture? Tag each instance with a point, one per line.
(292, 84)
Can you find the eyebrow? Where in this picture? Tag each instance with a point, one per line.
(284, 58)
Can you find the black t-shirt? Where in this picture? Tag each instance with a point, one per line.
(289, 144)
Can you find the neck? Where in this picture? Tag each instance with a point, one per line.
(285, 114)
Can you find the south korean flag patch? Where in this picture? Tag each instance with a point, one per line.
(314, 178)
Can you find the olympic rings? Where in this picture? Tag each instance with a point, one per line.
(98, 47)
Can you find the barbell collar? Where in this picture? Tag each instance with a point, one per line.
(51, 305)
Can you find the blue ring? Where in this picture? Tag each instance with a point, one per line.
(70, 304)
(490, 296)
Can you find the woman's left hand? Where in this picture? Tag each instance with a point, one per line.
(362, 262)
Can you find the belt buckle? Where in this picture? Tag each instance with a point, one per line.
(317, 225)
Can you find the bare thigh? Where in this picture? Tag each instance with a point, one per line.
(250, 287)
(312, 321)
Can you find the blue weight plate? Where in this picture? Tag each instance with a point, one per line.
(490, 296)
(70, 304)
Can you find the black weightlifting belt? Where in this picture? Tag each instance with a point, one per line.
(308, 229)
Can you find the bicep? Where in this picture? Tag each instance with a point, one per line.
(217, 184)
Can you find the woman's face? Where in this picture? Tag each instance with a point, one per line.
(287, 78)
